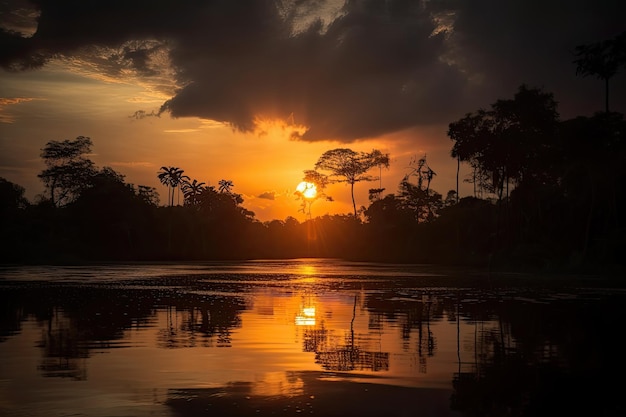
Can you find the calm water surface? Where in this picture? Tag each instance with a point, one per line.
(306, 336)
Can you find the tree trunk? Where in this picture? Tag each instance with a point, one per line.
(606, 95)
(352, 193)
(474, 181)
(52, 187)
(589, 221)
(458, 167)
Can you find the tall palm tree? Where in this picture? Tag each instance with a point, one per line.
(225, 186)
(181, 179)
(458, 168)
(602, 59)
(164, 177)
(192, 191)
(172, 177)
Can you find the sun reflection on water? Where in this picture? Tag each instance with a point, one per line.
(308, 270)
(307, 273)
(306, 316)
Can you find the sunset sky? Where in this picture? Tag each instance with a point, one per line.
(255, 91)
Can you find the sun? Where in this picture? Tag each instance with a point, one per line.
(308, 189)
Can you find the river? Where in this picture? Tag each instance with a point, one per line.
(306, 336)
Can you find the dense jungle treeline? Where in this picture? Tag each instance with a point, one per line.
(548, 194)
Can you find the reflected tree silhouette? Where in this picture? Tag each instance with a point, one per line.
(415, 318)
(426, 343)
(314, 339)
(535, 359)
(206, 321)
(349, 356)
(527, 351)
(77, 320)
(63, 349)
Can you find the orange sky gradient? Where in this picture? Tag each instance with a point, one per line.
(264, 164)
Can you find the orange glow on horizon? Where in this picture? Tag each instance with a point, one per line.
(264, 165)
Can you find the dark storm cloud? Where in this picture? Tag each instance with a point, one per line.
(508, 43)
(373, 70)
(381, 66)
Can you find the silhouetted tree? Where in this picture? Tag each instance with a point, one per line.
(320, 182)
(68, 170)
(387, 211)
(11, 196)
(375, 194)
(602, 59)
(458, 169)
(346, 165)
(221, 205)
(192, 191)
(451, 198)
(390, 227)
(510, 143)
(14, 226)
(224, 223)
(419, 198)
(107, 217)
(225, 186)
(173, 178)
(148, 195)
(594, 179)
(424, 203)
(469, 135)
(424, 174)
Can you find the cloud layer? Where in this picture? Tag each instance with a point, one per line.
(376, 67)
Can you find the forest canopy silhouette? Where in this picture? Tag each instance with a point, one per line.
(547, 194)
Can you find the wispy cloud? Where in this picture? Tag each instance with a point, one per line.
(142, 114)
(7, 102)
(181, 130)
(268, 195)
(146, 99)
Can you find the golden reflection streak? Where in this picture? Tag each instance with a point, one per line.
(309, 273)
(306, 316)
(272, 384)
